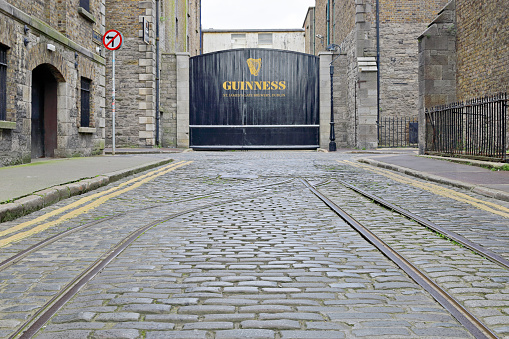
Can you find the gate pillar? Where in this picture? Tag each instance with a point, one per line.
(183, 99)
(325, 95)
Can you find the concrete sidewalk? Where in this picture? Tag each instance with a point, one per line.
(29, 187)
(489, 182)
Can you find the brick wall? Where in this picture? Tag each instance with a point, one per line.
(320, 25)
(344, 19)
(408, 11)
(482, 47)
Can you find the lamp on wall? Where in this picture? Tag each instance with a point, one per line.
(319, 36)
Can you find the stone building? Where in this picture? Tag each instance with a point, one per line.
(464, 54)
(52, 79)
(143, 119)
(310, 32)
(352, 26)
(222, 39)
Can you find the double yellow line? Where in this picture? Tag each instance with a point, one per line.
(88, 203)
(439, 190)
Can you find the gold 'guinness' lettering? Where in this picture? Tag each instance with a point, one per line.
(254, 85)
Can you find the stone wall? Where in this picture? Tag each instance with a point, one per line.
(70, 60)
(344, 19)
(194, 30)
(401, 23)
(169, 100)
(482, 47)
(134, 74)
(437, 65)
(399, 86)
(136, 119)
(355, 89)
(345, 93)
(309, 35)
(320, 25)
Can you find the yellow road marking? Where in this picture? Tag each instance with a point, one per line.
(445, 192)
(81, 202)
(90, 206)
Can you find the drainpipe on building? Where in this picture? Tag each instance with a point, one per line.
(158, 113)
(201, 31)
(328, 22)
(314, 31)
(377, 70)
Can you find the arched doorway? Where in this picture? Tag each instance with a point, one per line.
(44, 112)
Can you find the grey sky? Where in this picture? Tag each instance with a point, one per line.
(256, 14)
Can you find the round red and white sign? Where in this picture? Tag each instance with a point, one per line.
(112, 40)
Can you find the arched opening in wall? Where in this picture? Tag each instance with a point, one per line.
(44, 110)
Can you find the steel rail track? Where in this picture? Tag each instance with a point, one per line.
(468, 320)
(488, 254)
(44, 314)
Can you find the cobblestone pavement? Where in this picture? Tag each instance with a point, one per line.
(262, 258)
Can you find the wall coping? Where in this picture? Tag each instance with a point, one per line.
(7, 125)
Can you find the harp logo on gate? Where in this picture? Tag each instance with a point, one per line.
(254, 66)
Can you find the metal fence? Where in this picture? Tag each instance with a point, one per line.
(398, 132)
(473, 129)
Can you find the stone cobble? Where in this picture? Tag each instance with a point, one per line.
(273, 266)
(266, 260)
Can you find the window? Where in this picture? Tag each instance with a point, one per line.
(86, 84)
(265, 39)
(239, 41)
(3, 82)
(85, 4)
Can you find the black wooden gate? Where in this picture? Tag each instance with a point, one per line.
(254, 99)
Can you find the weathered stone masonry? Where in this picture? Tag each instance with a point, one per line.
(136, 68)
(353, 27)
(59, 36)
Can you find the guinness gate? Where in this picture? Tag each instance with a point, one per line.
(254, 99)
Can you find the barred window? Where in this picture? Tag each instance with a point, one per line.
(3, 82)
(86, 84)
(85, 4)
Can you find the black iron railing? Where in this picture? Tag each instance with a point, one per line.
(398, 132)
(473, 129)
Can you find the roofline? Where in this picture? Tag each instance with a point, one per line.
(306, 18)
(277, 30)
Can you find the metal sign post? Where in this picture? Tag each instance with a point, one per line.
(113, 105)
(112, 40)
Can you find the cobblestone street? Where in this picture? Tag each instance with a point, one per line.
(238, 247)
